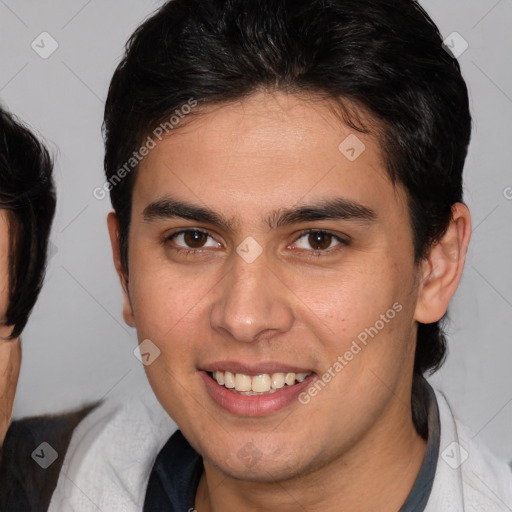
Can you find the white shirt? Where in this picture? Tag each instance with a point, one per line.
(112, 451)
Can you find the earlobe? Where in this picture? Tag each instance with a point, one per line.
(442, 269)
(113, 229)
(127, 310)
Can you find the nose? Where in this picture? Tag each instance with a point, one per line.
(251, 303)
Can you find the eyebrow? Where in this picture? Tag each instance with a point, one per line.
(329, 209)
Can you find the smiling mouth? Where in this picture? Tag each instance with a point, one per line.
(262, 384)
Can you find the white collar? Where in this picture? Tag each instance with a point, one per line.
(110, 456)
(468, 477)
(112, 451)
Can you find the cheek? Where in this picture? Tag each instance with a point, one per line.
(171, 309)
(4, 286)
(164, 297)
(345, 301)
(362, 318)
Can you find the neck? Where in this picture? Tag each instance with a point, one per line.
(376, 474)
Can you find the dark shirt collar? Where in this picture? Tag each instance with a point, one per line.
(420, 492)
(178, 467)
(174, 478)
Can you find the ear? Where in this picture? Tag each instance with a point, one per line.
(113, 230)
(442, 269)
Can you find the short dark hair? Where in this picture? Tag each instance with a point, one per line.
(27, 193)
(384, 56)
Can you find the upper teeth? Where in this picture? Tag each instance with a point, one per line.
(262, 383)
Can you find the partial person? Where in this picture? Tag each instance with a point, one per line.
(27, 208)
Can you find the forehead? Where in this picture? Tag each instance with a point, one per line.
(266, 151)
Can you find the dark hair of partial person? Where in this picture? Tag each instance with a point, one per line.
(27, 194)
(384, 58)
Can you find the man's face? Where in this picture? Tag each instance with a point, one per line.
(10, 352)
(4, 265)
(271, 293)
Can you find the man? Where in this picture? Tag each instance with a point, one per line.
(288, 231)
(27, 208)
(10, 351)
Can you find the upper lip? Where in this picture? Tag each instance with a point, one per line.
(252, 369)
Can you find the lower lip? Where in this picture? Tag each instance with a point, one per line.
(253, 405)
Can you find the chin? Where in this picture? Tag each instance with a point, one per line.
(244, 460)
(263, 471)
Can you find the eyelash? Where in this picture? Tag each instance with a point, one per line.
(319, 253)
(311, 253)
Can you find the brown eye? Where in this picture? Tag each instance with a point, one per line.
(320, 240)
(195, 239)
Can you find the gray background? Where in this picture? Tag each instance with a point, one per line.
(77, 347)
